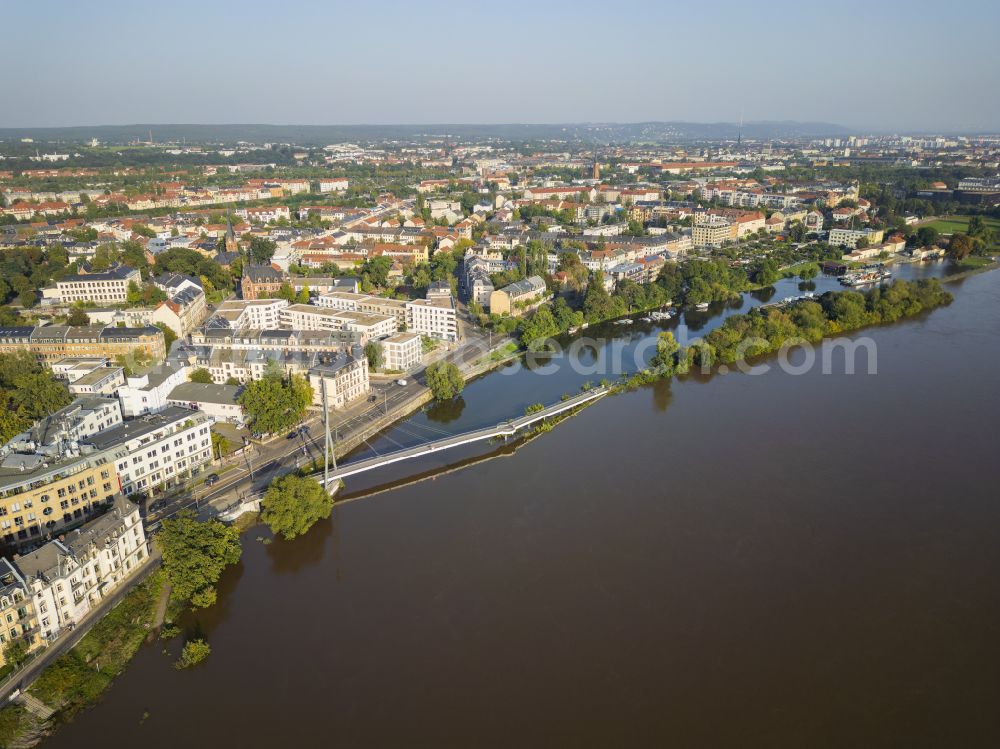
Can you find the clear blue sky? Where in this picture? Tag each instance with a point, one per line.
(873, 64)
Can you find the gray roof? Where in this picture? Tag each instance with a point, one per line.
(204, 392)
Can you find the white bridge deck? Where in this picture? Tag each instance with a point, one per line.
(503, 429)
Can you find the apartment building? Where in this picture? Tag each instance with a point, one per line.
(18, 621)
(218, 401)
(311, 317)
(147, 393)
(157, 449)
(333, 184)
(519, 297)
(185, 307)
(260, 281)
(89, 376)
(53, 342)
(712, 231)
(850, 237)
(69, 576)
(345, 376)
(40, 495)
(377, 305)
(401, 352)
(110, 287)
(434, 318)
(250, 314)
(83, 417)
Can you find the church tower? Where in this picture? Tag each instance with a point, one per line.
(231, 244)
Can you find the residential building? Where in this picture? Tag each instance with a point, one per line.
(185, 307)
(712, 231)
(18, 619)
(434, 318)
(311, 317)
(218, 401)
(67, 577)
(54, 435)
(254, 314)
(401, 352)
(158, 449)
(40, 495)
(850, 237)
(147, 393)
(89, 376)
(345, 376)
(53, 342)
(517, 298)
(110, 287)
(260, 281)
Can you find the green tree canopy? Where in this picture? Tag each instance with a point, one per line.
(276, 403)
(195, 553)
(201, 375)
(444, 380)
(293, 504)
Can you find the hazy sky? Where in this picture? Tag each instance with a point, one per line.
(873, 64)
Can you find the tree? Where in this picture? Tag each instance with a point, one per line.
(16, 652)
(262, 250)
(960, 246)
(766, 273)
(927, 236)
(373, 351)
(444, 380)
(195, 553)
(376, 269)
(193, 653)
(169, 336)
(275, 403)
(293, 504)
(77, 317)
(201, 375)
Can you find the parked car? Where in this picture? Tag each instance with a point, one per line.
(211, 479)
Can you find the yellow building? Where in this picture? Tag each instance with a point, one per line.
(17, 613)
(517, 298)
(40, 496)
(53, 342)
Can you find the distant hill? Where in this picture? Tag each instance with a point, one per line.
(324, 134)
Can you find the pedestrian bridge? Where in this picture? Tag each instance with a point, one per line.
(503, 429)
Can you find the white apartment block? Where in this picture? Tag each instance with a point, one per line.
(401, 352)
(101, 288)
(851, 237)
(158, 449)
(312, 317)
(252, 314)
(377, 305)
(346, 380)
(69, 576)
(148, 393)
(435, 318)
(333, 184)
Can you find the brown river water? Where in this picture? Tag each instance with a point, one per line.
(735, 561)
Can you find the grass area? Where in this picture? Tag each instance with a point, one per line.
(975, 261)
(78, 678)
(959, 224)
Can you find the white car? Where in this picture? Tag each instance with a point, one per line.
(401, 383)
